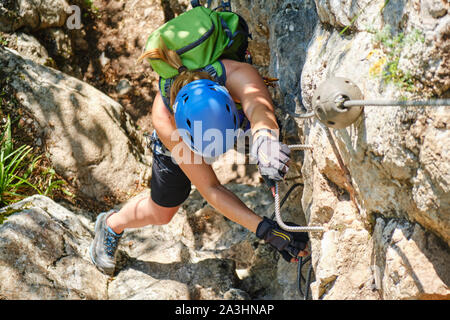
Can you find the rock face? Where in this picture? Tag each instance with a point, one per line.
(396, 158)
(395, 207)
(43, 254)
(32, 14)
(89, 137)
(29, 47)
(385, 207)
(198, 255)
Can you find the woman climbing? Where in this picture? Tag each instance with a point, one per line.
(202, 96)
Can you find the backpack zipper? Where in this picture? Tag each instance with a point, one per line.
(202, 39)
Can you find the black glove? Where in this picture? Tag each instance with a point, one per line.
(289, 244)
(272, 156)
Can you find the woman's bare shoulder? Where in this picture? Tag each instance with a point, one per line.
(232, 66)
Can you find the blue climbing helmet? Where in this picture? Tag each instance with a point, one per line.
(206, 117)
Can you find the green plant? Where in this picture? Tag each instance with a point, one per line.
(22, 173)
(15, 167)
(6, 213)
(49, 183)
(4, 42)
(357, 16)
(393, 46)
(89, 4)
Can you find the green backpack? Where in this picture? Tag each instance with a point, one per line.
(201, 37)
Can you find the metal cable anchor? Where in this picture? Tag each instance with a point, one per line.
(338, 102)
(285, 226)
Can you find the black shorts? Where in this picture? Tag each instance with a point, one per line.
(169, 185)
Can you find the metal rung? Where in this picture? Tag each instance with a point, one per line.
(285, 226)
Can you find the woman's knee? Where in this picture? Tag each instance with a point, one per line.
(163, 215)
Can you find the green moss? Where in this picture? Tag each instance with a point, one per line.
(6, 213)
(10, 211)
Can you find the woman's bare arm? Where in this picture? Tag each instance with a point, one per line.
(247, 86)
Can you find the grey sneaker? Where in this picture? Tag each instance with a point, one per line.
(103, 248)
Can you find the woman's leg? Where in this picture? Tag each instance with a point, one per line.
(169, 189)
(139, 213)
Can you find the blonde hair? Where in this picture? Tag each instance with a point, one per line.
(173, 59)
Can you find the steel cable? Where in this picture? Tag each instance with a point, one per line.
(388, 103)
(300, 146)
(285, 226)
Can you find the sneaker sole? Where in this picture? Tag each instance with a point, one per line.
(96, 229)
(91, 247)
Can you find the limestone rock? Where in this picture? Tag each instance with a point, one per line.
(44, 253)
(123, 87)
(90, 139)
(29, 47)
(398, 169)
(412, 261)
(32, 14)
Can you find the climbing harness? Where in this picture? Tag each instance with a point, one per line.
(154, 143)
(338, 103)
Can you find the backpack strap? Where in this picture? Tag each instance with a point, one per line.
(226, 6)
(164, 89)
(216, 70)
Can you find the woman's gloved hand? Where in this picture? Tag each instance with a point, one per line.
(271, 154)
(289, 244)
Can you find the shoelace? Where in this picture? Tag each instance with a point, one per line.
(110, 243)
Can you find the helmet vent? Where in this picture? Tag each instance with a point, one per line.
(185, 97)
(228, 107)
(188, 123)
(234, 119)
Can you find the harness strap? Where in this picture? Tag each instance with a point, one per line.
(227, 31)
(164, 89)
